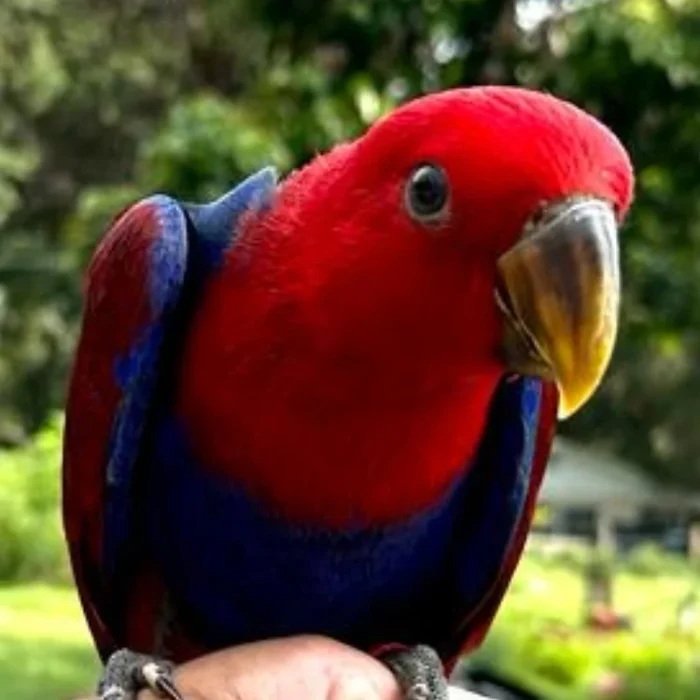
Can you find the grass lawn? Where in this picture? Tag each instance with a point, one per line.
(538, 637)
(45, 651)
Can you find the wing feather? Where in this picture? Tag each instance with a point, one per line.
(133, 287)
(142, 286)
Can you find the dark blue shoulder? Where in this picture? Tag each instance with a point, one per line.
(216, 224)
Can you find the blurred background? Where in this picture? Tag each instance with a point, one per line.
(104, 101)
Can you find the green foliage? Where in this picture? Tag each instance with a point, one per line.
(648, 560)
(538, 637)
(573, 663)
(655, 670)
(571, 555)
(31, 541)
(205, 145)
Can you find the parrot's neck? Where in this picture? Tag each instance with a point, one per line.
(333, 441)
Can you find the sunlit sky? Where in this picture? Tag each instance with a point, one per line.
(530, 13)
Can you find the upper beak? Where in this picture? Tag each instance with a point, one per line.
(559, 289)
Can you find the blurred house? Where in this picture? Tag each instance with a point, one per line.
(594, 495)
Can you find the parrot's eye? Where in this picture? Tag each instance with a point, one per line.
(427, 194)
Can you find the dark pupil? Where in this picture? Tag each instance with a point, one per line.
(428, 192)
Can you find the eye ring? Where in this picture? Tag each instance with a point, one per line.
(427, 194)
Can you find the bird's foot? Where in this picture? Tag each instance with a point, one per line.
(419, 672)
(126, 673)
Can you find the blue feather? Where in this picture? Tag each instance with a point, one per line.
(179, 257)
(216, 222)
(136, 374)
(238, 573)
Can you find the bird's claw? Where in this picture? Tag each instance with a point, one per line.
(126, 673)
(159, 678)
(419, 672)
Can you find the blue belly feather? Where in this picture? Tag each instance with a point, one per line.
(238, 573)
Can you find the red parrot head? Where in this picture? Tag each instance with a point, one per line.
(475, 224)
(361, 325)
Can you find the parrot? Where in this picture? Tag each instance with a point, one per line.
(324, 403)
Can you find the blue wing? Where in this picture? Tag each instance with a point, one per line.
(142, 285)
(512, 460)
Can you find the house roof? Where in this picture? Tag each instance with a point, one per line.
(586, 476)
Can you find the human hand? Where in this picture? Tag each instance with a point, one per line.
(295, 668)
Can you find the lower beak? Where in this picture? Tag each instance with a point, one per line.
(559, 290)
